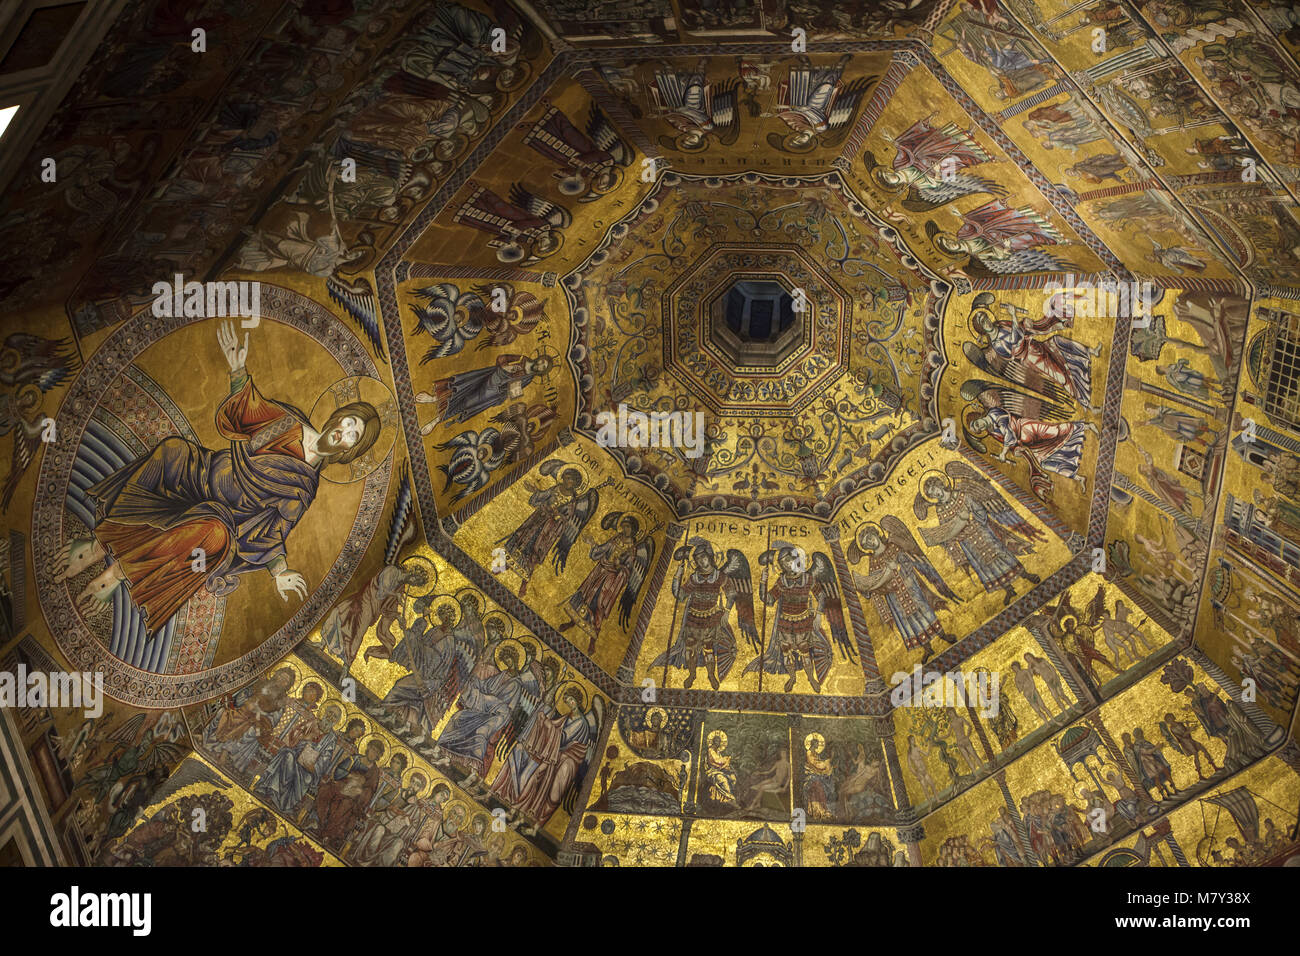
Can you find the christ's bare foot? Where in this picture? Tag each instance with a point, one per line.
(95, 597)
(77, 555)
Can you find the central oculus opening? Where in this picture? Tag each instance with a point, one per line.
(753, 324)
(758, 311)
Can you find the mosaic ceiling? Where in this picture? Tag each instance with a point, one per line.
(969, 333)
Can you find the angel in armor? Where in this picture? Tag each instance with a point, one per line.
(560, 512)
(622, 563)
(805, 594)
(903, 585)
(710, 592)
(980, 531)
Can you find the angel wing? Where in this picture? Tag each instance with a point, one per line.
(556, 216)
(25, 440)
(401, 527)
(978, 487)
(33, 360)
(1096, 607)
(606, 137)
(522, 714)
(723, 111)
(1014, 370)
(584, 507)
(741, 583)
(898, 534)
(1020, 261)
(832, 610)
(844, 109)
(190, 772)
(643, 556)
(1013, 401)
(451, 317)
(1064, 608)
(358, 300)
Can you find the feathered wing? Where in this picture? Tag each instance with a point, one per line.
(607, 138)
(401, 526)
(1013, 401)
(1064, 608)
(644, 555)
(1023, 260)
(924, 148)
(940, 192)
(967, 479)
(1096, 607)
(832, 610)
(741, 584)
(24, 451)
(844, 109)
(724, 112)
(358, 300)
(451, 317)
(529, 701)
(190, 772)
(45, 363)
(1013, 370)
(556, 216)
(898, 534)
(594, 716)
(583, 509)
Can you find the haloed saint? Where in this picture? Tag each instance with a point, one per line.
(183, 517)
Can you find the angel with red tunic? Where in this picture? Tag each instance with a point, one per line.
(1035, 429)
(1001, 240)
(1031, 351)
(710, 592)
(805, 594)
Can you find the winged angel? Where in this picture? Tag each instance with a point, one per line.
(805, 593)
(977, 527)
(901, 582)
(718, 583)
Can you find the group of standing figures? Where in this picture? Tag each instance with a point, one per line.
(977, 528)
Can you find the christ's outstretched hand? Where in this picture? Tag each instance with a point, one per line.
(291, 582)
(230, 347)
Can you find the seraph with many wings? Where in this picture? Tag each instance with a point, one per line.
(449, 316)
